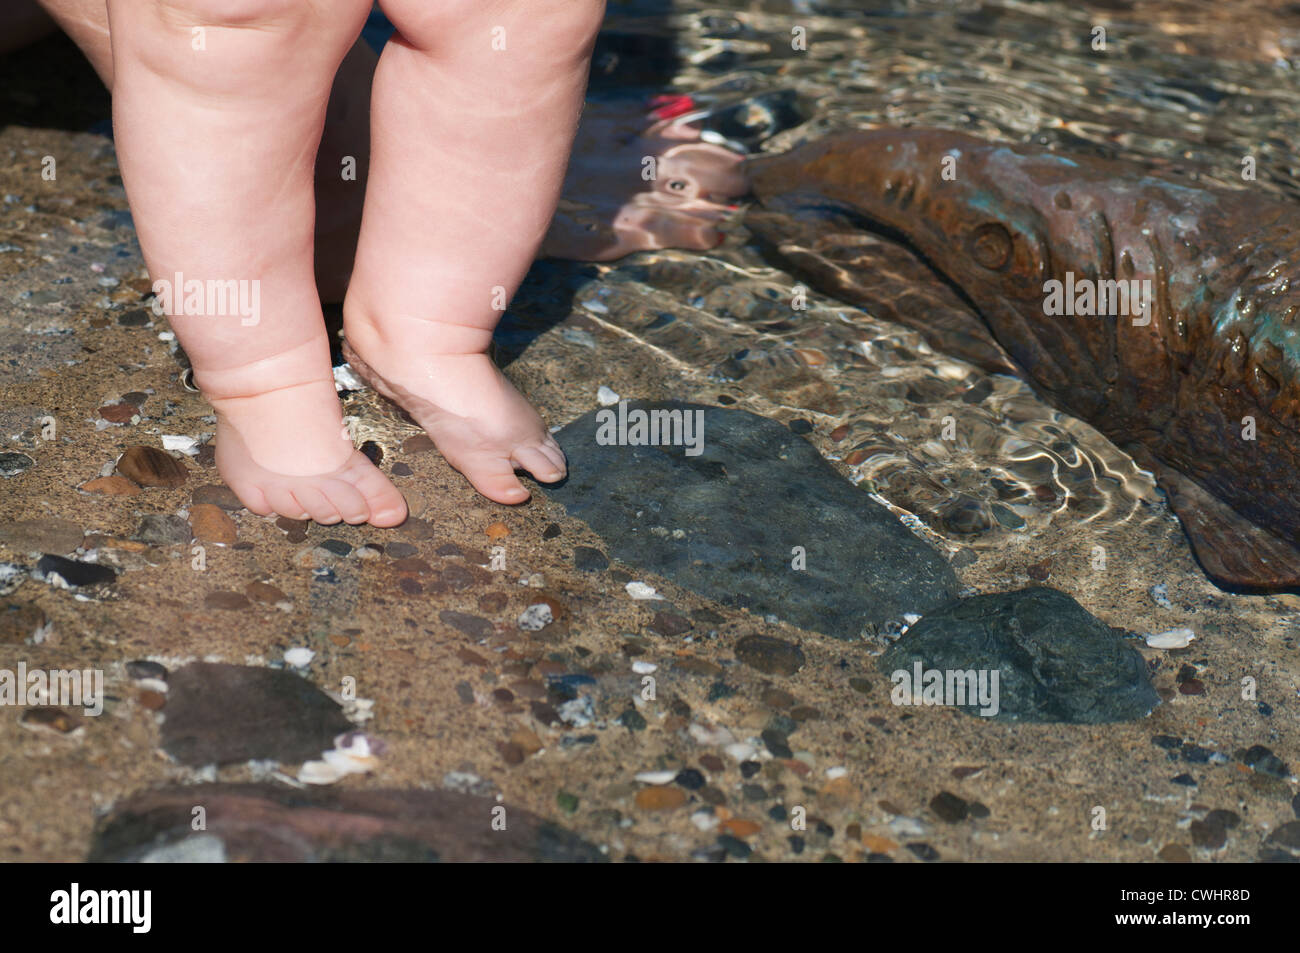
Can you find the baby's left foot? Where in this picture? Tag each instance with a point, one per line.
(479, 422)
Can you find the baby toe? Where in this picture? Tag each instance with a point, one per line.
(347, 499)
(317, 504)
(539, 463)
(386, 505)
(283, 502)
(494, 478)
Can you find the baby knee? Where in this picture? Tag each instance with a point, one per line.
(289, 16)
(556, 25)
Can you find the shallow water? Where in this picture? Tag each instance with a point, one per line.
(1177, 87)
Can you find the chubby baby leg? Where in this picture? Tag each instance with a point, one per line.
(218, 107)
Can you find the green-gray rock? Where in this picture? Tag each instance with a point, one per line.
(734, 520)
(1056, 662)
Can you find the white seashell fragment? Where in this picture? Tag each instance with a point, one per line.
(188, 445)
(644, 668)
(710, 735)
(299, 657)
(1173, 639)
(639, 590)
(606, 397)
(319, 772)
(345, 378)
(656, 777)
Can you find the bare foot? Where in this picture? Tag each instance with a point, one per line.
(286, 451)
(610, 209)
(243, 217)
(479, 422)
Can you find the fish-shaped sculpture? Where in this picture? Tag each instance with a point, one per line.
(1166, 315)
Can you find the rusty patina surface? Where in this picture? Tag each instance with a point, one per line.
(1201, 387)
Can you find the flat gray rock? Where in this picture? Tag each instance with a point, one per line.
(1056, 662)
(221, 714)
(726, 521)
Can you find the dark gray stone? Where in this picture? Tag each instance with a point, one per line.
(163, 529)
(1056, 661)
(220, 714)
(74, 572)
(754, 493)
(12, 464)
(251, 823)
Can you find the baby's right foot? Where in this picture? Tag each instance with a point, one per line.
(286, 451)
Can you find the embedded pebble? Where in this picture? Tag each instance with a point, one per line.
(210, 524)
(216, 494)
(770, 655)
(114, 485)
(18, 623)
(1173, 639)
(299, 657)
(644, 668)
(181, 443)
(606, 397)
(656, 777)
(149, 466)
(587, 559)
(536, 617)
(46, 535)
(163, 529)
(1160, 595)
(660, 798)
(64, 573)
(639, 590)
(12, 464)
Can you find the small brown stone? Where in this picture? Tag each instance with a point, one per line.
(473, 658)
(778, 698)
(264, 593)
(50, 719)
(210, 525)
(497, 531)
(217, 495)
(840, 432)
(660, 798)
(420, 443)
(492, 601)
(669, 624)
(417, 529)
(19, 622)
(118, 413)
(151, 700)
(527, 740)
(739, 827)
(1175, 854)
(1192, 686)
(224, 599)
(771, 656)
(712, 763)
(47, 534)
(877, 844)
(114, 485)
(295, 530)
(528, 688)
(149, 466)
(511, 753)
(412, 564)
(341, 641)
(697, 666)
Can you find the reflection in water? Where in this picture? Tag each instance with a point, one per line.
(1176, 86)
